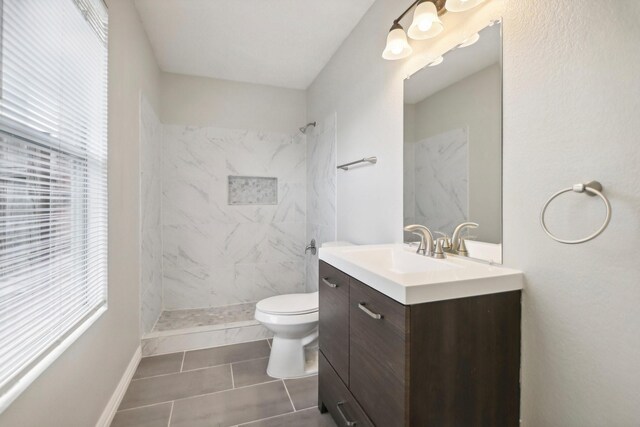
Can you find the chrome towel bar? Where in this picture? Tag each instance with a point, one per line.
(373, 160)
(592, 188)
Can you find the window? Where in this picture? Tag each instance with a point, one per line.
(53, 181)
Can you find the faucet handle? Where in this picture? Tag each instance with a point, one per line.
(446, 240)
(462, 250)
(421, 247)
(439, 252)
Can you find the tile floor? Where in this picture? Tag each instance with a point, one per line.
(218, 387)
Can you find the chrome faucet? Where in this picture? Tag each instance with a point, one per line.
(456, 239)
(426, 238)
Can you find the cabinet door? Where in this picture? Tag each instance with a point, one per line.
(378, 352)
(334, 318)
(334, 396)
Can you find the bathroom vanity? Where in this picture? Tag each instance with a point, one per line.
(407, 340)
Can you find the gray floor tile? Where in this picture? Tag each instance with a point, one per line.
(232, 407)
(307, 418)
(303, 392)
(227, 354)
(147, 391)
(159, 365)
(251, 372)
(149, 416)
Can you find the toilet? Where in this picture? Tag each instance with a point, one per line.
(293, 319)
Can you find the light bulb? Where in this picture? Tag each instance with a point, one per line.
(396, 48)
(397, 44)
(426, 23)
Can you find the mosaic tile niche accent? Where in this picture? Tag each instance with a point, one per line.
(253, 190)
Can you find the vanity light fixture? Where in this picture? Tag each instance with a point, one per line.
(470, 40)
(425, 25)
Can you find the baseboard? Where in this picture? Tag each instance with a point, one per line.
(110, 410)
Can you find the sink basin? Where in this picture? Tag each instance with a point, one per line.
(396, 259)
(409, 278)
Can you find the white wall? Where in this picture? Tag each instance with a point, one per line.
(571, 103)
(75, 389)
(202, 101)
(571, 95)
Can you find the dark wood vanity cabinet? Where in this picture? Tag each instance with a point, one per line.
(445, 363)
(334, 322)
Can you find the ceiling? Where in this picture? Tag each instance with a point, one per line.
(458, 64)
(283, 43)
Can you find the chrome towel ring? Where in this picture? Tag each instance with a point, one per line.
(592, 188)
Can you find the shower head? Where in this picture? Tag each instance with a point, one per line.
(304, 128)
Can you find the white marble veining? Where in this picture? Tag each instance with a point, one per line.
(440, 184)
(151, 131)
(216, 254)
(321, 191)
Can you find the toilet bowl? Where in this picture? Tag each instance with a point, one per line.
(293, 319)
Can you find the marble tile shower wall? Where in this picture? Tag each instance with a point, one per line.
(217, 254)
(150, 217)
(321, 191)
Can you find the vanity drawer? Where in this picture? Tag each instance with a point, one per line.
(334, 318)
(336, 398)
(378, 354)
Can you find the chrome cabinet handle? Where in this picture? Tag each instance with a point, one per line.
(344, 418)
(326, 281)
(369, 312)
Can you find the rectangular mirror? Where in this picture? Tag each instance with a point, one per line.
(453, 145)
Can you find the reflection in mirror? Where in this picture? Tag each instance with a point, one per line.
(453, 145)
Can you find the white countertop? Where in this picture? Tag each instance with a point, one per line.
(398, 272)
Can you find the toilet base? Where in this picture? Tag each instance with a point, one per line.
(293, 358)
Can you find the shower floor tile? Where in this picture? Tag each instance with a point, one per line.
(194, 318)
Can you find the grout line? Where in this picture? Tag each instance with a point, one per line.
(228, 363)
(143, 406)
(233, 382)
(290, 400)
(180, 372)
(184, 356)
(200, 395)
(207, 348)
(229, 389)
(170, 413)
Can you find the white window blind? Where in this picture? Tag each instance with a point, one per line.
(53, 179)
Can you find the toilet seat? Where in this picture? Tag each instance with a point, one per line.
(289, 305)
